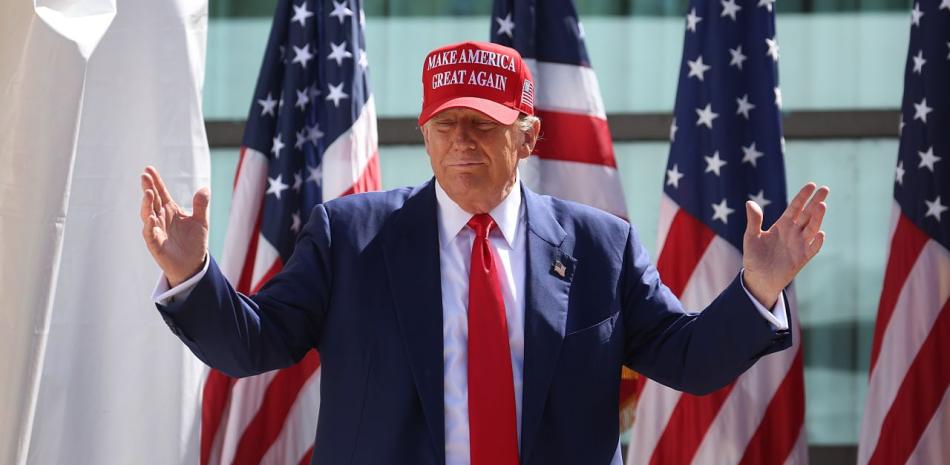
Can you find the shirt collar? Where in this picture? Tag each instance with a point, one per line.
(452, 218)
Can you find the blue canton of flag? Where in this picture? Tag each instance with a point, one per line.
(550, 32)
(312, 88)
(922, 178)
(726, 137)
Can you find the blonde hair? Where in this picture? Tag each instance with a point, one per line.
(526, 122)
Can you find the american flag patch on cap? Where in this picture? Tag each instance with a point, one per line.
(527, 93)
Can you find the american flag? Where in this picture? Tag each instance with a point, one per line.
(310, 137)
(726, 147)
(907, 415)
(574, 159)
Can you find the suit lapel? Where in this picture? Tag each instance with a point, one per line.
(548, 279)
(412, 264)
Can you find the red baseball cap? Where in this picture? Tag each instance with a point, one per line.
(489, 78)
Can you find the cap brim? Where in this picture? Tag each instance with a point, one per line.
(494, 110)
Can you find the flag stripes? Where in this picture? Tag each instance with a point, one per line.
(907, 244)
(916, 402)
(907, 388)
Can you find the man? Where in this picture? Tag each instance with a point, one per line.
(470, 320)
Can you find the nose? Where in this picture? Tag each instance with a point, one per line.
(462, 136)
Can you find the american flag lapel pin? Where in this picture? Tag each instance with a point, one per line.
(559, 268)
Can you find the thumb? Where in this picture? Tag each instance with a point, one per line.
(753, 215)
(200, 204)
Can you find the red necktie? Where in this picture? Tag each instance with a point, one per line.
(492, 424)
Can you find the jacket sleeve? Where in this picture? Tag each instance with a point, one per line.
(692, 352)
(244, 336)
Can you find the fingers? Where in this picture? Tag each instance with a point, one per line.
(797, 204)
(163, 194)
(753, 215)
(813, 217)
(815, 245)
(816, 203)
(146, 209)
(200, 204)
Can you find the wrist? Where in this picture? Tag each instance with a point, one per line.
(765, 292)
(177, 278)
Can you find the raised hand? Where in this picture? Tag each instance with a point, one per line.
(178, 241)
(772, 258)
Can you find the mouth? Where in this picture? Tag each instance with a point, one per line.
(465, 164)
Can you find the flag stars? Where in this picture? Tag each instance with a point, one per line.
(268, 105)
(899, 173)
(714, 163)
(303, 98)
(301, 139)
(314, 134)
(945, 4)
(339, 53)
(721, 211)
(340, 11)
(737, 57)
(778, 98)
(767, 4)
(276, 186)
(730, 8)
(921, 110)
(302, 55)
(298, 182)
(744, 106)
(928, 159)
(935, 208)
(363, 61)
(760, 199)
(692, 20)
(697, 68)
(313, 91)
(505, 26)
(916, 14)
(750, 154)
(277, 146)
(673, 129)
(316, 174)
(295, 222)
(336, 94)
(919, 62)
(705, 116)
(673, 177)
(773, 48)
(301, 14)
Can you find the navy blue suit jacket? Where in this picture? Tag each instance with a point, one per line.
(364, 288)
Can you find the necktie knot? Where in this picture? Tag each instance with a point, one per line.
(481, 224)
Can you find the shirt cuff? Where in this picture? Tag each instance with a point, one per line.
(777, 317)
(163, 295)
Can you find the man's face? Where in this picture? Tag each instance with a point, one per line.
(475, 158)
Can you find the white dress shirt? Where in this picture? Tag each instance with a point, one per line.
(455, 249)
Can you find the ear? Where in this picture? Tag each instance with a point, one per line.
(530, 140)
